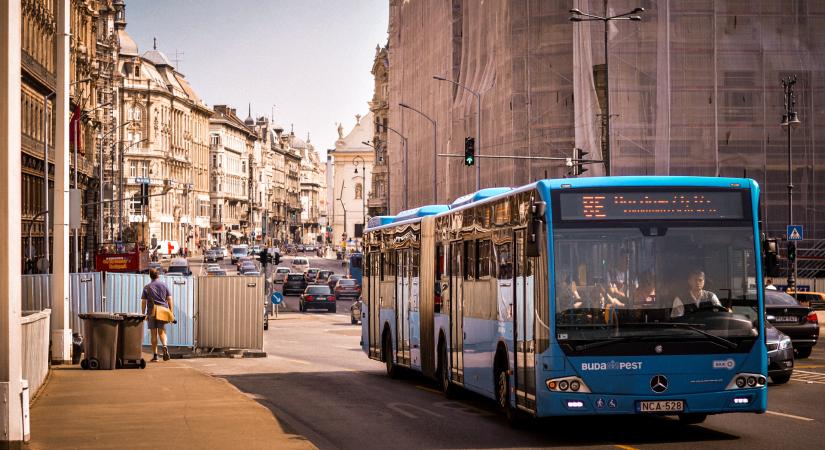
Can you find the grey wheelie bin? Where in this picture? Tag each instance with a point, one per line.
(100, 340)
(130, 341)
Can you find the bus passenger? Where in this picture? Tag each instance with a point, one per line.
(645, 294)
(567, 295)
(697, 297)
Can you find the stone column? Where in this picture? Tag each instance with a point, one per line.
(11, 372)
(61, 330)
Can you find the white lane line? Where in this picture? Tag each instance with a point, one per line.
(790, 416)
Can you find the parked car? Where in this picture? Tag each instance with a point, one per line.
(239, 251)
(355, 312)
(156, 265)
(280, 275)
(323, 276)
(295, 284)
(780, 354)
(333, 280)
(790, 317)
(309, 248)
(317, 296)
(300, 264)
(347, 287)
(212, 256)
(179, 265)
(255, 249)
(813, 300)
(311, 274)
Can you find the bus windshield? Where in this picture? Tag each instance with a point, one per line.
(621, 287)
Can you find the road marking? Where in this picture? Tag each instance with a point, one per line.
(425, 388)
(625, 447)
(808, 377)
(790, 416)
(397, 407)
(810, 366)
(297, 361)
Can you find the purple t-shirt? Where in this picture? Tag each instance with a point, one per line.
(156, 293)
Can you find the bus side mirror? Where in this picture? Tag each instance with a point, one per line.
(532, 248)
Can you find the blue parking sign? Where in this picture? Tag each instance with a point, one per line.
(794, 232)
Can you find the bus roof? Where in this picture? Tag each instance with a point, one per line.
(377, 221)
(422, 211)
(479, 195)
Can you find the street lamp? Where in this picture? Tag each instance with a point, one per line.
(363, 192)
(435, 145)
(478, 124)
(790, 120)
(579, 16)
(406, 163)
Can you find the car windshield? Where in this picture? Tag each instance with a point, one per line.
(239, 251)
(654, 281)
(318, 290)
(282, 271)
(776, 298)
(299, 261)
(346, 282)
(178, 269)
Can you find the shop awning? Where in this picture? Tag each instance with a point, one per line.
(235, 234)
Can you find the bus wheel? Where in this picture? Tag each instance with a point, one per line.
(444, 374)
(503, 394)
(692, 419)
(392, 370)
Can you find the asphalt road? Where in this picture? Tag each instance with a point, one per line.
(318, 383)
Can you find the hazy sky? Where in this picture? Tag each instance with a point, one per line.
(309, 58)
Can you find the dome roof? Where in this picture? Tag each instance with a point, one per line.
(298, 143)
(128, 47)
(157, 58)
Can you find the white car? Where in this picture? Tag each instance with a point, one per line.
(300, 265)
(280, 274)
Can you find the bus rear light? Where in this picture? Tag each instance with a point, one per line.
(747, 380)
(567, 384)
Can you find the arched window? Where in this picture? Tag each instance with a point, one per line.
(359, 191)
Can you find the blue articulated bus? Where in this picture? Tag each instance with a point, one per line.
(617, 295)
(355, 268)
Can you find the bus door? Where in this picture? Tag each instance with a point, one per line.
(376, 272)
(402, 308)
(456, 313)
(525, 373)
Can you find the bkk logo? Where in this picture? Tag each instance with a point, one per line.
(613, 365)
(724, 364)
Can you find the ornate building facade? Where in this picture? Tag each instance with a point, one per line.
(379, 109)
(353, 177)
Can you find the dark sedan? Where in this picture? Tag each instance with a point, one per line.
(790, 317)
(295, 284)
(317, 296)
(311, 275)
(333, 280)
(347, 287)
(211, 256)
(323, 276)
(780, 355)
(247, 267)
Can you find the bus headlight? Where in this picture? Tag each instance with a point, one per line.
(567, 384)
(746, 380)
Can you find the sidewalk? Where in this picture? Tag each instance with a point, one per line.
(121, 409)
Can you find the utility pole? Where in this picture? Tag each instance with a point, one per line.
(790, 120)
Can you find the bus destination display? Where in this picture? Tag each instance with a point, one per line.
(698, 205)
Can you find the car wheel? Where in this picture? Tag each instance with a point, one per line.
(803, 353)
(353, 321)
(781, 378)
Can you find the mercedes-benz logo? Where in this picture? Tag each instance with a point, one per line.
(658, 349)
(658, 384)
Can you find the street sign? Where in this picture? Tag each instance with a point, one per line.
(276, 298)
(794, 232)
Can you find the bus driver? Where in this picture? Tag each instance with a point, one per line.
(696, 298)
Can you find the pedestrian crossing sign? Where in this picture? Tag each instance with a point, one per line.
(794, 232)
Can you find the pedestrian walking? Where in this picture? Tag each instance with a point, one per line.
(156, 302)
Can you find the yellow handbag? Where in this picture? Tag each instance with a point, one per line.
(164, 314)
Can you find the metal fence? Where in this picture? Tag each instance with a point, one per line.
(230, 312)
(124, 291)
(85, 295)
(35, 347)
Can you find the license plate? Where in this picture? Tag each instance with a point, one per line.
(786, 319)
(658, 406)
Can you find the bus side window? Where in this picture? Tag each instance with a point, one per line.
(469, 260)
(439, 261)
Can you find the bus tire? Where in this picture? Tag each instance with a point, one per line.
(503, 395)
(444, 382)
(392, 369)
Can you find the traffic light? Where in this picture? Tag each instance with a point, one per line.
(791, 251)
(769, 248)
(577, 160)
(469, 151)
(264, 257)
(144, 194)
(276, 258)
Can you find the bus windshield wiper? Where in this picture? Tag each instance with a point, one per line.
(609, 341)
(686, 326)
